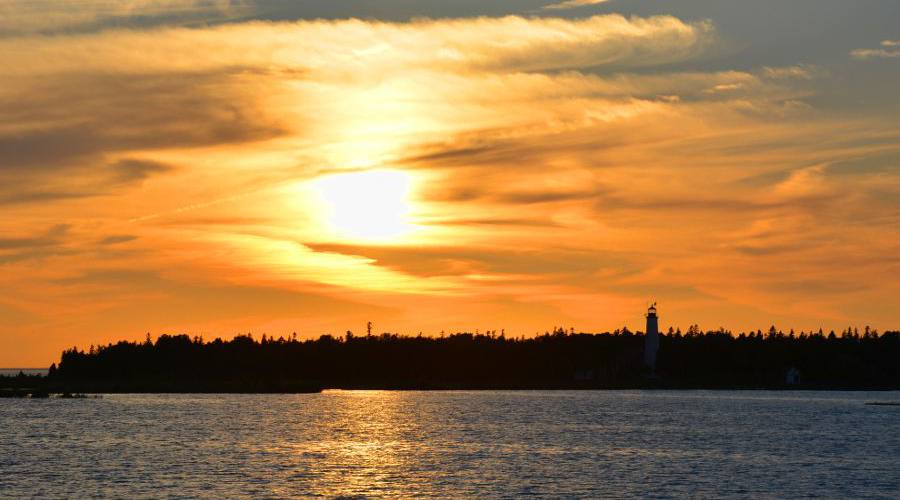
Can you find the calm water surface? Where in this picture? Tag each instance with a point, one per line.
(12, 372)
(451, 444)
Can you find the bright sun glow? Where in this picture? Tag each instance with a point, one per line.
(372, 205)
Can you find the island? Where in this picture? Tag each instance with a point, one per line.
(559, 359)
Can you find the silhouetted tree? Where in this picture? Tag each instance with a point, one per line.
(698, 359)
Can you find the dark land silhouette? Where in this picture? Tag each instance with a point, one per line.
(558, 360)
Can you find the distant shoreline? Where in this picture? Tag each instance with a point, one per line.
(558, 361)
(43, 387)
(12, 372)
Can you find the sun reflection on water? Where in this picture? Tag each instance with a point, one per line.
(368, 441)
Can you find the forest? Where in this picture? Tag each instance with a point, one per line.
(555, 360)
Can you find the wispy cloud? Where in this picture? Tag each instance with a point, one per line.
(573, 4)
(370, 49)
(34, 247)
(48, 17)
(888, 50)
(129, 170)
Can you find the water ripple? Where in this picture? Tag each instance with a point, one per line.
(346, 444)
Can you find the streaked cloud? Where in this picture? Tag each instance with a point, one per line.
(573, 4)
(48, 243)
(48, 17)
(887, 50)
(336, 48)
(117, 239)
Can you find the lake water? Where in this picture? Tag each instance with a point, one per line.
(12, 372)
(452, 444)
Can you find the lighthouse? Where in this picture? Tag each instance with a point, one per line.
(651, 339)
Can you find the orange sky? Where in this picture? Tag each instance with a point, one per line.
(514, 172)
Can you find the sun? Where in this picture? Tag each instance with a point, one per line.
(373, 205)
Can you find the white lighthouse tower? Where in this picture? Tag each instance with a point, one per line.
(651, 339)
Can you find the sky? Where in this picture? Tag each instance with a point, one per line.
(216, 167)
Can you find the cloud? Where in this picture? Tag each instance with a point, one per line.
(441, 261)
(63, 92)
(35, 247)
(367, 49)
(65, 118)
(74, 135)
(561, 170)
(889, 50)
(546, 196)
(802, 72)
(131, 170)
(493, 221)
(51, 237)
(25, 196)
(573, 4)
(47, 17)
(117, 239)
(875, 54)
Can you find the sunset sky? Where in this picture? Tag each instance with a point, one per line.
(215, 167)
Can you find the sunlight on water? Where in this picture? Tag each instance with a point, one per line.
(453, 444)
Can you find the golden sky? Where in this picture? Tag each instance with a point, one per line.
(214, 168)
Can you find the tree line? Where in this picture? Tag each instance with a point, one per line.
(557, 359)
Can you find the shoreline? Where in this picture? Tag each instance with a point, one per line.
(81, 392)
